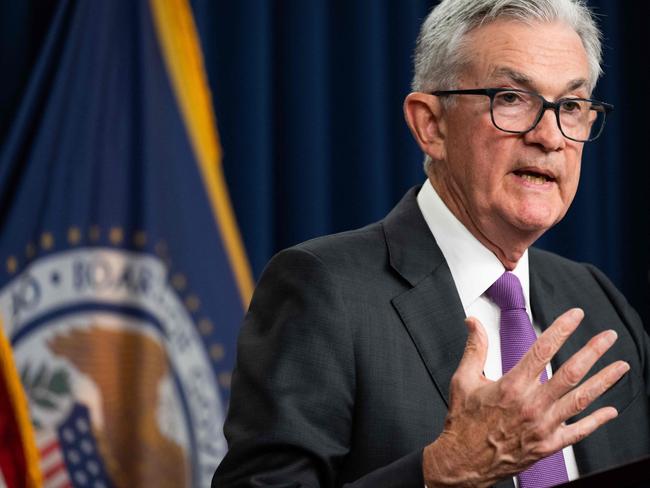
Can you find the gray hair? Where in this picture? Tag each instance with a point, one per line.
(439, 54)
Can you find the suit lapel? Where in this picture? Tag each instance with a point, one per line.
(430, 309)
(547, 304)
(547, 307)
(433, 315)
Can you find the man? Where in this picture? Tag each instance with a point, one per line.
(354, 366)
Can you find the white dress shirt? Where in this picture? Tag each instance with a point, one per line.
(474, 268)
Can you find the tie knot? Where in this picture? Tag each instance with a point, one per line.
(507, 293)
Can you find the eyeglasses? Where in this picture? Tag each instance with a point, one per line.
(519, 111)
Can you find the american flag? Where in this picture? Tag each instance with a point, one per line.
(69, 455)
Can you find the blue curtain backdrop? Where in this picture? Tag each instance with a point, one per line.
(308, 97)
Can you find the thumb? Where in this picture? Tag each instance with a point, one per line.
(473, 361)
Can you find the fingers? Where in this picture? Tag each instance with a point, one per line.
(473, 360)
(580, 398)
(547, 344)
(573, 370)
(571, 434)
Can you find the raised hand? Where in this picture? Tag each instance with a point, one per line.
(496, 429)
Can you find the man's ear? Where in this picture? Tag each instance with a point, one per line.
(424, 116)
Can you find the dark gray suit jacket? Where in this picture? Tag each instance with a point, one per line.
(345, 357)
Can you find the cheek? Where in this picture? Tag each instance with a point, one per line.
(570, 186)
(469, 131)
(480, 171)
(475, 155)
(474, 170)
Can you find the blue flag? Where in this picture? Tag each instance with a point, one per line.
(123, 280)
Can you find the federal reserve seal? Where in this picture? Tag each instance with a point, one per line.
(121, 387)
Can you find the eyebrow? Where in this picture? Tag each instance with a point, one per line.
(522, 79)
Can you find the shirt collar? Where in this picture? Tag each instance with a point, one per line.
(473, 266)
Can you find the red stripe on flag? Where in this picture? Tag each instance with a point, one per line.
(47, 450)
(53, 470)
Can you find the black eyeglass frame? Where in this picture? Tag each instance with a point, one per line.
(546, 105)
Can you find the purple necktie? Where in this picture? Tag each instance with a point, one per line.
(517, 335)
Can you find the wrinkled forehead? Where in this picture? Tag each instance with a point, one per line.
(541, 56)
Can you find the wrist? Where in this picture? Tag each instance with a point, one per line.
(443, 467)
(436, 468)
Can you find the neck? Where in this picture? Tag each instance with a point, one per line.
(507, 244)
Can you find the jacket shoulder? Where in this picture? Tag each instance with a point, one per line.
(359, 248)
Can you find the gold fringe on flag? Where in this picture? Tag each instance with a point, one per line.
(18, 400)
(182, 54)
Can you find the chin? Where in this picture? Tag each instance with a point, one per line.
(537, 218)
(535, 225)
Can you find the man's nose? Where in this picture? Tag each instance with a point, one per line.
(547, 133)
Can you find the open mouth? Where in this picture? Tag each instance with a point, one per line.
(534, 176)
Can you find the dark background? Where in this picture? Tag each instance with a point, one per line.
(308, 96)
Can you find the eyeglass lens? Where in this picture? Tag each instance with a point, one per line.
(517, 112)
